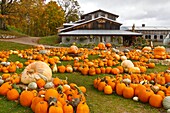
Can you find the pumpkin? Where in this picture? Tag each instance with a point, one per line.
(49, 85)
(135, 98)
(41, 107)
(126, 64)
(61, 69)
(159, 50)
(36, 70)
(128, 92)
(108, 45)
(101, 85)
(101, 46)
(119, 88)
(26, 98)
(13, 94)
(127, 81)
(35, 101)
(115, 71)
(134, 70)
(155, 100)
(67, 108)
(147, 49)
(32, 85)
(51, 93)
(55, 109)
(166, 102)
(40, 83)
(139, 88)
(108, 90)
(5, 88)
(73, 49)
(123, 58)
(145, 94)
(1, 81)
(69, 68)
(82, 108)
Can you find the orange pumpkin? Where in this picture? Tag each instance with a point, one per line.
(155, 100)
(26, 98)
(13, 94)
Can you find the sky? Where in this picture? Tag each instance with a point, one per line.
(138, 12)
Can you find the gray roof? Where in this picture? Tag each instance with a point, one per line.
(99, 32)
(101, 17)
(146, 28)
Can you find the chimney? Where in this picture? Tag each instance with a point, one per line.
(143, 25)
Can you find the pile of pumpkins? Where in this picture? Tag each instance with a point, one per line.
(153, 88)
(36, 88)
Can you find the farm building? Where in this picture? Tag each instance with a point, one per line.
(95, 27)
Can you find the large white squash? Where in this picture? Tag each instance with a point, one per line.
(126, 64)
(36, 70)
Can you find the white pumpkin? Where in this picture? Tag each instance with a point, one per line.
(127, 81)
(36, 70)
(123, 58)
(32, 85)
(1, 81)
(166, 102)
(126, 64)
(49, 85)
(135, 98)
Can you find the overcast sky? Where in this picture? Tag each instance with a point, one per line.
(138, 12)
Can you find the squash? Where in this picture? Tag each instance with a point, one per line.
(123, 58)
(166, 102)
(147, 49)
(1, 81)
(135, 98)
(36, 70)
(73, 49)
(126, 64)
(49, 85)
(159, 50)
(32, 85)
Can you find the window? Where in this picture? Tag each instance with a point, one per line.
(161, 37)
(155, 36)
(146, 36)
(149, 36)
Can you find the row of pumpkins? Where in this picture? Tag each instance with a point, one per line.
(153, 88)
(36, 88)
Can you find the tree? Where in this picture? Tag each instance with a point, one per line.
(35, 18)
(5, 10)
(71, 9)
(54, 16)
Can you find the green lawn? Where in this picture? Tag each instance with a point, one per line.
(97, 101)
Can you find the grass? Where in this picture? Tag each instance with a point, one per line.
(97, 101)
(49, 40)
(12, 32)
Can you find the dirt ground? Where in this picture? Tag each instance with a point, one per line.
(24, 40)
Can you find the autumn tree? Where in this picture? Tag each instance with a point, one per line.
(5, 11)
(36, 18)
(71, 9)
(54, 16)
